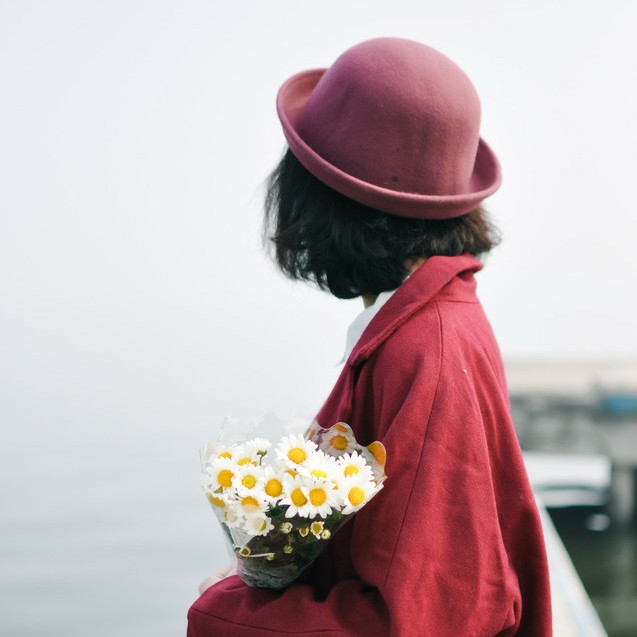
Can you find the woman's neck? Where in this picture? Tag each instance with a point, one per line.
(410, 264)
(369, 299)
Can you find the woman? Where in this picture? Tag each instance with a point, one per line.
(379, 196)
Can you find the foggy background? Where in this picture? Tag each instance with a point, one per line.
(137, 307)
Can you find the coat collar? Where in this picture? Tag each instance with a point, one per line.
(411, 296)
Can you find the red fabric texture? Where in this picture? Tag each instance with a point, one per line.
(452, 545)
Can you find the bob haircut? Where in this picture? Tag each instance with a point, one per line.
(350, 249)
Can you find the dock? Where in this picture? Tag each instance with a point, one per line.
(580, 409)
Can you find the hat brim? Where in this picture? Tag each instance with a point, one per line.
(485, 180)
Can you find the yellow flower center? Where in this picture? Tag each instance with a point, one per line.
(298, 498)
(218, 502)
(249, 503)
(317, 497)
(225, 454)
(248, 482)
(316, 528)
(297, 455)
(291, 472)
(351, 470)
(318, 473)
(339, 442)
(224, 477)
(244, 461)
(274, 488)
(356, 496)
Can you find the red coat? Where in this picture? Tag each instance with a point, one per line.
(452, 545)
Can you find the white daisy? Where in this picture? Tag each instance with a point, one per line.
(272, 484)
(250, 505)
(258, 525)
(220, 474)
(322, 498)
(248, 479)
(320, 466)
(352, 464)
(293, 450)
(295, 495)
(354, 492)
(216, 450)
(243, 455)
(225, 451)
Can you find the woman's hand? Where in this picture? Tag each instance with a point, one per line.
(217, 576)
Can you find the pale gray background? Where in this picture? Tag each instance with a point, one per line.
(137, 308)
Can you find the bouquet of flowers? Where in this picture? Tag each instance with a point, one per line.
(279, 506)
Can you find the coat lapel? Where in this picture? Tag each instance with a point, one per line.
(412, 295)
(418, 290)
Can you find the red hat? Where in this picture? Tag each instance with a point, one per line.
(394, 125)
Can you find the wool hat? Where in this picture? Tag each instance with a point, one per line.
(394, 125)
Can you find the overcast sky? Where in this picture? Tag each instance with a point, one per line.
(135, 140)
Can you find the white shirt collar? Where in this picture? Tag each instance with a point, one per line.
(358, 325)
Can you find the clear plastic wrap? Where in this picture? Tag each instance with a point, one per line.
(279, 506)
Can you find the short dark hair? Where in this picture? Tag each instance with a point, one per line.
(350, 249)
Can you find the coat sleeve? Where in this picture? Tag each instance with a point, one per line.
(453, 543)
(447, 546)
(231, 609)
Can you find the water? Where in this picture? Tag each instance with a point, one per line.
(103, 539)
(606, 561)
